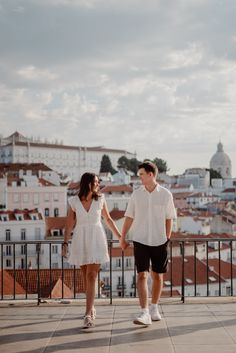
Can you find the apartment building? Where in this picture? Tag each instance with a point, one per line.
(21, 226)
(25, 186)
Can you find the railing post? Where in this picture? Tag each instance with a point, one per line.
(111, 272)
(38, 247)
(123, 274)
(207, 269)
(231, 268)
(183, 288)
(2, 292)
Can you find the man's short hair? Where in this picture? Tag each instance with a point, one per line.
(149, 166)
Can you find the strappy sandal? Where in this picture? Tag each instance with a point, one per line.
(93, 314)
(88, 322)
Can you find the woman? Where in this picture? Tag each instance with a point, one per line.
(89, 242)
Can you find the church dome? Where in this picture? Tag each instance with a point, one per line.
(221, 162)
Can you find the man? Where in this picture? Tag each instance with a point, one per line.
(150, 212)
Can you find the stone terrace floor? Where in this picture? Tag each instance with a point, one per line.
(198, 326)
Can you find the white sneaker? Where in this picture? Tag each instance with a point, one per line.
(144, 318)
(154, 312)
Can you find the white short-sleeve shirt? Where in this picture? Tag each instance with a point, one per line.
(149, 211)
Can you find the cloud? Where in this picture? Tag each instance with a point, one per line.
(32, 73)
(157, 78)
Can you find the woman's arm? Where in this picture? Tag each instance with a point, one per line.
(70, 223)
(109, 221)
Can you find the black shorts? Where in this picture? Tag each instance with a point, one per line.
(156, 255)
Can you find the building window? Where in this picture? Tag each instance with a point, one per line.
(8, 250)
(22, 263)
(36, 199)
(37, 233)
(57, 232)
(55, 196)
(118, 263)
(25, 197)
(8, 262)
(56, 212)
(115, 205)
(23, 234)
(46, 212)
(54, 249)
(128, 262)
(8, 234)
(23, 249)
(16, 198)
(46, 197)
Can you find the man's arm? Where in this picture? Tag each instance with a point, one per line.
(126, 227)
(169, 224)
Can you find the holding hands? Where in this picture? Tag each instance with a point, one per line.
(123, 243)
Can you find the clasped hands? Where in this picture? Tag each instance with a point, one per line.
(123, 243)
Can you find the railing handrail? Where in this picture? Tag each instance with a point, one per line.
(183, 242)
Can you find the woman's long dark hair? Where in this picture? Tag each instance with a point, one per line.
(87, 179)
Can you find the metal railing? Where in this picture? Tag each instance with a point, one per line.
(181, 280)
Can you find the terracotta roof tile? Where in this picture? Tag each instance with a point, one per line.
(117, 188)
(117, 214)
(8, 285)
(47, 287)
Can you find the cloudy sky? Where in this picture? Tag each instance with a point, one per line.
(155, 77)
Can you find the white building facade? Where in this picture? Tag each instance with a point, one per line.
(21, 226)
(66, 160)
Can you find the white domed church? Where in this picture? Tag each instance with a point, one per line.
(221, 162)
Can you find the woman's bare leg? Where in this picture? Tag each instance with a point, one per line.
(91, 276)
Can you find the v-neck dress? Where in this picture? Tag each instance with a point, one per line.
(89, 241)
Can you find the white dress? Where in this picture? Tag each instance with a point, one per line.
(89, 242)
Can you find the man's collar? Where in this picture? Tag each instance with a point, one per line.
(157, 188)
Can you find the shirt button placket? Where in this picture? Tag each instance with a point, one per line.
(149, 216)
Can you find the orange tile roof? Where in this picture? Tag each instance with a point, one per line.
(201, 272)
(16, 167)
(117, 214)
(225, 268)
(8, 284)
(117, 188)
(44, 277)
(55, 222)
(26, 214)
(44, 182)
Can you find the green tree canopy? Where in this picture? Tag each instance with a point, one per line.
(106, 165)
(129, 164)
(161, 165)
(214, 174)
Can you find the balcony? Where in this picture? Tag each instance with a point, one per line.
(198, 267)
(193, 323)
(204, 327)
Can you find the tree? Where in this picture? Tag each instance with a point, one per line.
(161, 165)
(106, 165)
(133, 165)
(214, 174)
(129, 164)
(123, 162)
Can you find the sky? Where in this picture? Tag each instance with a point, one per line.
(157, 78)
